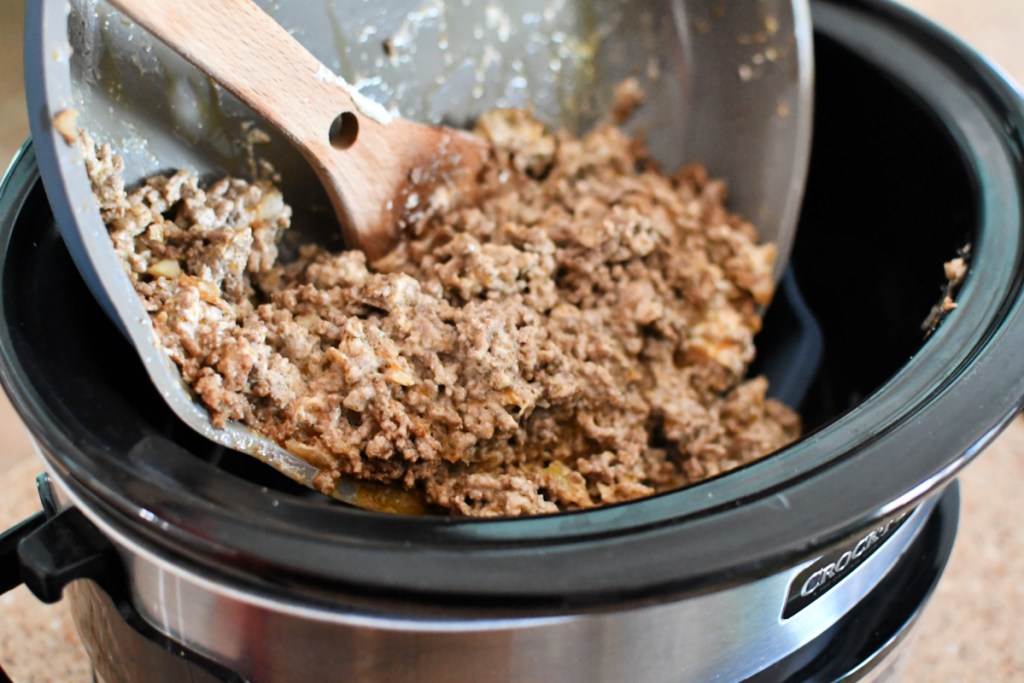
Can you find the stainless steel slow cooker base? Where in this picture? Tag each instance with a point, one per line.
(868, 643)
(678, 640)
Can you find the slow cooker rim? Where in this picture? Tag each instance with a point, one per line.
(507, 543)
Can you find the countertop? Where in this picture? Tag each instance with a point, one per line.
(970, 629)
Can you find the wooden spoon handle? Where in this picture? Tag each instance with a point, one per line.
(253, 57)
(386, 166)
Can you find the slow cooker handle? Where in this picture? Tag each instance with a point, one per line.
(51, 549)
(48, 553)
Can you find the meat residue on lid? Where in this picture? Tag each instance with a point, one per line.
(575, 336)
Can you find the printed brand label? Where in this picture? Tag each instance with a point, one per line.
(827, 571)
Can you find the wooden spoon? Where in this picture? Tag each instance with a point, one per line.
(377, 170)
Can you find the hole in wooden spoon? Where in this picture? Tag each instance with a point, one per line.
(344, 130)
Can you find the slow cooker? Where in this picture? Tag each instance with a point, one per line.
(186, 561)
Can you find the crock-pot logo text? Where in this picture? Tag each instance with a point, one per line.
(833, 569)
(822, 575)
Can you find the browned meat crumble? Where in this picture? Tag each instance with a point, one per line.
(955, 271)
(576, 336)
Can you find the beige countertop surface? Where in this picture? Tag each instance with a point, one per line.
(969, 631)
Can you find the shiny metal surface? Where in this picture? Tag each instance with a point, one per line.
(730, 87)
(890, 669)
(725, 635)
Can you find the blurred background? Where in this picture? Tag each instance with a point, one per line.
(13, 131)
(971, 629)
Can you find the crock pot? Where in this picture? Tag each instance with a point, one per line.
(185, 561)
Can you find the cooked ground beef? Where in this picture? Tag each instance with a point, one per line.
(576, 335)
